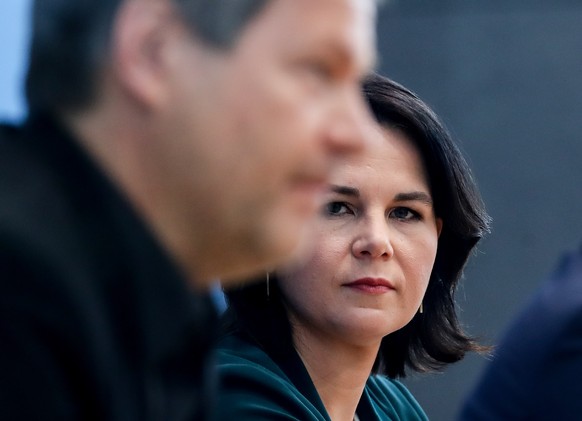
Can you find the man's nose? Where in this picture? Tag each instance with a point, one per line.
(351, 124)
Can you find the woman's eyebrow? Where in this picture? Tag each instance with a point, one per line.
(345, 190)
(418, 196)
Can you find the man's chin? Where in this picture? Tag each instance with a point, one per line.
(303, 246)
(277, 255)
(286, 238)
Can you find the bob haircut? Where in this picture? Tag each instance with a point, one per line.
(434, 338)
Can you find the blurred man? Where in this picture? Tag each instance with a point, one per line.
(168, 143)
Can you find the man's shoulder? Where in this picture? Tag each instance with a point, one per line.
(8, 131)
(567, 276)
(12, 152)
(537, 355)
(552, 314)
(24, 173)
(560, 297)
(41, 255)
(35, 208)
(49, 232)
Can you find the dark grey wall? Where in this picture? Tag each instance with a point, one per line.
(506, 77)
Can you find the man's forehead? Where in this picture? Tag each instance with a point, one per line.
(349, 12)
(346, 27)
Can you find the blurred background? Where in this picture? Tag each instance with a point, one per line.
(506, 78)
(14, 35)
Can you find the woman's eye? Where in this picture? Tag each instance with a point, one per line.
(337, 208)
(405, 214)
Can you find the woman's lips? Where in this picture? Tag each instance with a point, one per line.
(371, 285)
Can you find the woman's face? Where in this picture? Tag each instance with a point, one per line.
(375, 246)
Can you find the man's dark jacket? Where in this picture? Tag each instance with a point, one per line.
(537, 370)
(96, 322)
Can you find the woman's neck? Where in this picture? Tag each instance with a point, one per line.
(339, 370)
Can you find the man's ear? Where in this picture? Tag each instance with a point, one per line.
(142, 32)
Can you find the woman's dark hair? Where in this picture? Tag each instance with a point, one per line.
(431, 339)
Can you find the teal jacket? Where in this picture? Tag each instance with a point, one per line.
(256, 387)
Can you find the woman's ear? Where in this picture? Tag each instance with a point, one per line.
(439, 225)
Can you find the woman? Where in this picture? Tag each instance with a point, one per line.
(325, 339)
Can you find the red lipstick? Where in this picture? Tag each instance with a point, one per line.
(373, 286)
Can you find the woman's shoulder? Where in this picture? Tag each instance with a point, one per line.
(254, 387)
(244, 368)
(238, 354)
(392, 400)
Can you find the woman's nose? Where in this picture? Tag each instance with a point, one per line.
(373, 242)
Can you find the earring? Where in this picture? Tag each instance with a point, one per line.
(421, 308)
(268, 290)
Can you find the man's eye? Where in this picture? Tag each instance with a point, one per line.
(321, 70)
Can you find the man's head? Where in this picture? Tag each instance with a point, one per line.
(71, 42)
(220, 119)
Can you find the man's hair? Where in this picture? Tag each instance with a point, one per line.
(71, 38)
(431, 339)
